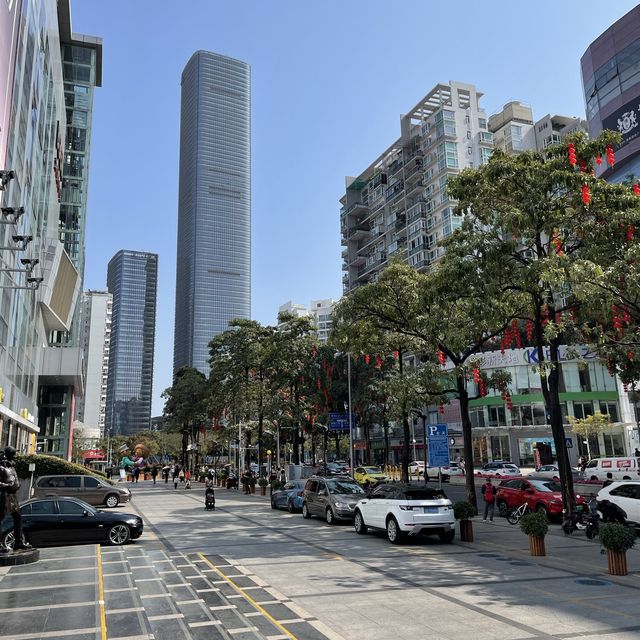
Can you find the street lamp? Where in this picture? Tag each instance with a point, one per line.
(350, 414)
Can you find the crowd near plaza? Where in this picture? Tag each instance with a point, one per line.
(449, 440)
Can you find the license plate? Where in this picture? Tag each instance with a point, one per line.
(431, 509)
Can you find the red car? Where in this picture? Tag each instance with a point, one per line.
(544, 496)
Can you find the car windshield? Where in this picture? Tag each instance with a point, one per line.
(344, 487)
(372, 470)
(424, 494)
(546, 486)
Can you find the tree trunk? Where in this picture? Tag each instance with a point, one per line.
(367, 443)
(313, 447)
(470, 481)
(387, 447)
(337, 436)
(406, 437)
(296, 444)
(260, 421)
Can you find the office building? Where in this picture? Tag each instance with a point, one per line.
(40, 282)
(319, 311)
(611, 82)
(95, 339)
(399, 203)
(514, 129)
(132, 280)
(213, 276)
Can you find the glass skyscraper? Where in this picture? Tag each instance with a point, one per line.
(213, 280)
(132, 279)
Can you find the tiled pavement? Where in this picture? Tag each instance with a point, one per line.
(149, 594)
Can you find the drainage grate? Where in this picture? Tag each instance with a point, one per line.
(589, 582)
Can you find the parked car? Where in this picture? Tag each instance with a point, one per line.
(373, 474)
(91, 489)
(401, 509)
(289, 497)
(552, 472)
(57, 521)
(498, 469)
(625, 495)
(453, 469)
(544, 496)
(416, 468)
(330, 498)
(619, 468)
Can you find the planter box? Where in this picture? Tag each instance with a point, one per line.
(263, 491)
(466, 531)
(536, 546)
(617, 563)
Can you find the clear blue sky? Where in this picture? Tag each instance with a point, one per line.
(330, 79)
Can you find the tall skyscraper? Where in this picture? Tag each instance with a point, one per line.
(213, 279)
(132, 280)
(95, 340)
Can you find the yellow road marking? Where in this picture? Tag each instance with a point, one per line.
(103, 617)
(242, 592)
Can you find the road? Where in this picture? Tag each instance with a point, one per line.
(349, 586)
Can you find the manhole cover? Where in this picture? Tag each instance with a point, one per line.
(521, 563)
(489, 555)
(593, 583)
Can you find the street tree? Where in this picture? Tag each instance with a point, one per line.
(588, 428)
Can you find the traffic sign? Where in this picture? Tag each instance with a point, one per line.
(569, 442)
(438, 439)
(340, 421)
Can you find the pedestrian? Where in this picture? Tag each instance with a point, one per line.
(246, 481)
(489, 495)
(154, 473)
(165, 473)
(636, 453)
(608, 481)
(181, 475)
(283, 475)
(136, 473)
(187, 479)
(175, 480)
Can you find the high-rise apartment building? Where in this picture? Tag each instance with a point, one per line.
(320, 312)
(611, 82)
(40, 282)
(400, 201)
(213, 279)
(95, 339)
(132, 280)
(514, 129)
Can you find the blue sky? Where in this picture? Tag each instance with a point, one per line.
(329, 81)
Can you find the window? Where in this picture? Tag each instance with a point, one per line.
(67, 507)
(497, 416)
(91, 483)
(626, 491)
(582, 410)
(611, 409)
(43, 508)
(482, 123)
(72, 482)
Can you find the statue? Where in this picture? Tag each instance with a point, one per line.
(9, 485)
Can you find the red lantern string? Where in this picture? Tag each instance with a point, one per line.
(367, 358)
(598, 159)
(530, 329)
(610, 158)
(476, 375)
(583, 166)
(441, 409)
(586, 195)
(636, 189)
(441, 357)
(630, 232)
(572, 154)
(378, 362)
(483, 387)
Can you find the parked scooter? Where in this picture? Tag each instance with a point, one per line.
(593, 520)
(610, 511)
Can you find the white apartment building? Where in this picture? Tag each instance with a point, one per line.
(400, 202)
(514, 129)
(95, 339)
(320, 312)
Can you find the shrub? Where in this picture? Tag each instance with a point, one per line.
(276, 485)
(616, 537)
(463, 510)
(50, 465)
(252, 481)
(263, 482)
(534, 524)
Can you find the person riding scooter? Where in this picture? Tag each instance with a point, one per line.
(209, 493)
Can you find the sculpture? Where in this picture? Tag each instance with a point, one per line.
(9, 485)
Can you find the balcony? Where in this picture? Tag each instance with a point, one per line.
(416, 211)
(358, 233)
(413, 169)
(356, 207)
(394, 190)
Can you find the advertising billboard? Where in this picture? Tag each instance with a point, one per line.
(625, 121)
(9, 16)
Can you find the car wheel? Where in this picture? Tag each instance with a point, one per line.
(305, 511)
(8, 540)
(290, 506)
(118, 534)
(626, 478)
(358, 523)
(593, 478)
(542, 509)
(394, 534)
(447, 537)
(112, 500)
(590, 532)
(331, 519)
(503, 508)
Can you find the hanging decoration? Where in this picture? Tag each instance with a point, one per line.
(441, 358)
(572, 154)
(396, 354)
(630, 232)
(367, 358)
(586, 194)
(476, 375)
(636, 189)
(482, 388)
(610, 158)
(557, 242)
(378, 362)
(530, 328)
(441, 409)
(598, 160)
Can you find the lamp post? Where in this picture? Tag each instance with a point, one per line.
(350, 414)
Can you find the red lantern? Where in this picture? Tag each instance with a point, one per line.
(630, 232)
(636, 189)
(378, 362)
(586, 195)
(441, 357)
(367, 358)
(483, 388)
(598, 159)
(396, 354)
(441, 409)
(583, 166)
(476, 375)
(572, 154)
(530, 329)
(610, 159)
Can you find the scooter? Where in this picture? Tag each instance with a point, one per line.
(209, 500)
(593, 520)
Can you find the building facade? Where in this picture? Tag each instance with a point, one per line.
(213, 276)
(132, 280)
(611, 82)
(320, 312)
(95, 340)
(399, 203)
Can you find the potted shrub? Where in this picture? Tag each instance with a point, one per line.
(464, 511)
(617, 539)
(263, 483)
(536, 526)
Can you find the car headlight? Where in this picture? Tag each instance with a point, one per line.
(342, 505)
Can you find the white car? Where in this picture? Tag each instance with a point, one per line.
(498, 469)
(401, 509)
(626, 495)
(453, 469)
(416, 468)
(550, 471)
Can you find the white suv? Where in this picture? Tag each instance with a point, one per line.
(626, 495)
(403, 509)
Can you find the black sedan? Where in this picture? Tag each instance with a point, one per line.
(58, 521)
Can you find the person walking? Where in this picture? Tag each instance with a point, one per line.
(165, 473)
(176, 476)
(489, 495)
(187, 479)
(136, 473)
(154, 473)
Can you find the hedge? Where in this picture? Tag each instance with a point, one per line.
(50, 465)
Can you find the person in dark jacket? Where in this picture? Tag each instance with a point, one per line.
(154, 473)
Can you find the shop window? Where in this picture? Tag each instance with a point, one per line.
(611, 409)
(477, 418)
(497, 416)
(500, 448)
(613, 444)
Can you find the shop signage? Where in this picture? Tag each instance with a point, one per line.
(625, 120)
